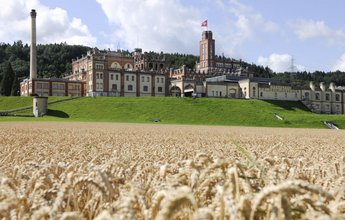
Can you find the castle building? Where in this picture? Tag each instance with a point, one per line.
(109, 73)
(116, 73)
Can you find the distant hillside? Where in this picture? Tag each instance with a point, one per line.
(171, 110)
(54, 60)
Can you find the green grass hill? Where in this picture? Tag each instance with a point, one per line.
(171, 110)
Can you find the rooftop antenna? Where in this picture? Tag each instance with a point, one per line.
(292, 69)
(118, 46)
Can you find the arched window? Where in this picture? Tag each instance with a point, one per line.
(327, 96)
(306, 95)
(115, 65)
(128, 66)
(317, 96)
(337, 97)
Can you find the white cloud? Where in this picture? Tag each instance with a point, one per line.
(309, 29)
(154, 25)
(53, 25)
(173, 26)
(279, 63)
(340, 65)
(243, 24)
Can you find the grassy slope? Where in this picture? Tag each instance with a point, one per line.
(209, 111)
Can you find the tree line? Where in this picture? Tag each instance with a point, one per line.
(54, 60)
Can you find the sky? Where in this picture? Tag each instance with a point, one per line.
(284, 35)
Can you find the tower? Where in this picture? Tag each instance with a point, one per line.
(33, 49)
(207, 51)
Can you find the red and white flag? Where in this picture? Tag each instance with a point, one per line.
(204, 23)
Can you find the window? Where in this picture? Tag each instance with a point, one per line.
(130, 88)
(142, 79)
(317, 96)
(117, 77)
(337, 97)
(114, 87)
(216, 93)
(148, 79)
(327, 97)
(99, 66)
(160, 89)
(99, 85)
(261, 94)
(111, 76)
(127, 78)
(157, 80)
(133, 78)
(285, 95)
(99, 75)
(220, 93)
(254, 91)
(275, 95)
(128, 66)
(212, 93)
(306, 95)
(145, 88)
(162, 80)
(45, 86)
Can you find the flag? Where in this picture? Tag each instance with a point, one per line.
(204, 23)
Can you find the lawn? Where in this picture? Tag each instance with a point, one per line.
(171, 110)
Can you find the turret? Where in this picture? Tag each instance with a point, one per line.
(332, 86)
(322, 86)
(312, 86)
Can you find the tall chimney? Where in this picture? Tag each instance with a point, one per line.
(33, 50)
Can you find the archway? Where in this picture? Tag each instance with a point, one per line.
(175, 91)
(188, 90)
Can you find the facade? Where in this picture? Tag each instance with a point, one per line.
(105, 73)
(52, 87)
(321, 99)
(109, 73)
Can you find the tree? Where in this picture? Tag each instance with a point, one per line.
(7, 81)
(15, 90)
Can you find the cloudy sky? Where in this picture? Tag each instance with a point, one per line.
(266, 32)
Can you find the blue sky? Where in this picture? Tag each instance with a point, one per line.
(265, 32)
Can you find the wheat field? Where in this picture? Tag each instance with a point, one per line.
(132, 171)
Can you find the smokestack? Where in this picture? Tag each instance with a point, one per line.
(33, 50)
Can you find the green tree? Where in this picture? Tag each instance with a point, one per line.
(15, 90)
(7, 81)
